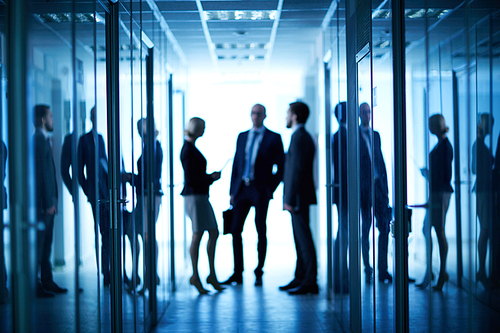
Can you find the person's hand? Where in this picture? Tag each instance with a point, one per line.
(424, 172)
(288, 207)
(51, 211)
(215, 175)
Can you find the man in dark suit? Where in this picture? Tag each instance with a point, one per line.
(298, 194)
(257, 171)
(46, 199)
(98, 198)
(370, 150)
(339, 159)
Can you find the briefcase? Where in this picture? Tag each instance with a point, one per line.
(227, 217)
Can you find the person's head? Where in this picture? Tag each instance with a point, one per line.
(341, 111)
(142, 128)
(43, 117)
(485, 124)
(365, 114)
(437, 125)
(258, 114)
(195, 128)
(297, 113)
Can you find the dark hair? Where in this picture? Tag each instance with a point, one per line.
(301, 110)
(343, 108)
(39, 111)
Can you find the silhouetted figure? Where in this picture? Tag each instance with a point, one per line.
(482, 166)
(4, 291)
(197, 205)
(141, 188)
(371, 164)
(440, 190)
(257, 172)
(339, 160)
(298, 194)
(98, 197)
(66, 162)
(46, 199)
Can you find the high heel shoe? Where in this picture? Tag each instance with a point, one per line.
(441, 281)
(197, 283)
(213, 281)
(427, 280)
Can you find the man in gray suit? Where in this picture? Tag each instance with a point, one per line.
(46, 199)
(298, 194)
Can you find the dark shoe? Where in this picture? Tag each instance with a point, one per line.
(304, 289)
(258, 281)
(211, 279)
(42, 293)
(53, 287)
(384, 276)
(411, 280)
(195, 281)
(292, 285)
(441, 281)
(236, 278)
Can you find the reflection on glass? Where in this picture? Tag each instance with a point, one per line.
(373, 180)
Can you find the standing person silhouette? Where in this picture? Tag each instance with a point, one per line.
(298, 194)
(89, 178)
(257, 172)
(482, 167)
(46, 199)
(339, 161)
(440, 190)
(197, 205)
(372, 163)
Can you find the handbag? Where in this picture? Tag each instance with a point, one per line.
(227, 217)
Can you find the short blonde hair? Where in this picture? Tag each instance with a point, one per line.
(194, 127)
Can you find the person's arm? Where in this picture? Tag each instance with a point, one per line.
(81, 165)
(279, 161)
(66, 157)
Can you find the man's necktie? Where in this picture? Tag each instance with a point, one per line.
(248, 162)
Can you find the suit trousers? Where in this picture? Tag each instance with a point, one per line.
(104, 229)
(306, 269)
(44, 247)
(341, 273)
(383, 214)
(247, 198)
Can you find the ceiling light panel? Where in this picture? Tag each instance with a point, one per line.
(241, 46)
(240, 15)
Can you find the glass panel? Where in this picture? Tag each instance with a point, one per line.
(339, 170)
(5, 248)
(51, 99)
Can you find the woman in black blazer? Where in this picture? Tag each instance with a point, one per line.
(196, 203)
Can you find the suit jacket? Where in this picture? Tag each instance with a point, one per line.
(298, 178)
(66, 160)
(365, 166)
(86, 160)
(270, 153)
(340, 171)
(45, 173)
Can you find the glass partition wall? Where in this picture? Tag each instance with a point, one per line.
(451, 74)
(91, 116)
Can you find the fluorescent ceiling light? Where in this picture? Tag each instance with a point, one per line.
(231, 15)
(241, 46)
(67, 17)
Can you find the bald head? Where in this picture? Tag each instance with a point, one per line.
(258, 115)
